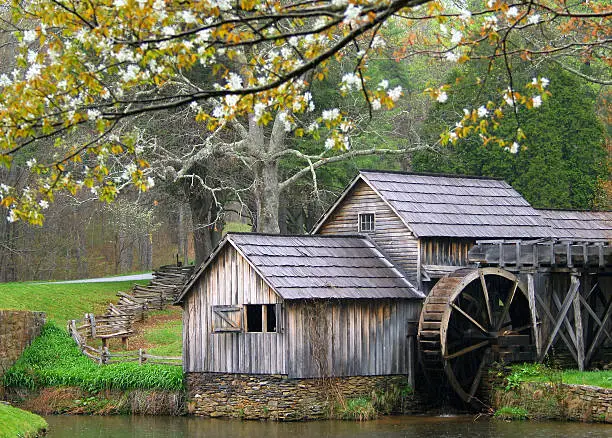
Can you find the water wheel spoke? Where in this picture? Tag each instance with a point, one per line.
(478, 376)
(469, 318)
(507, 305)
(485, 293)
(466, 350)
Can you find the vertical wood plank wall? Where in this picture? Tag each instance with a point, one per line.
(230, 280)
(362, 337)
(391, 234)
(445, 251)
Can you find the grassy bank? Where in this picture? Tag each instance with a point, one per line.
(61, 302)
(18, 423)
(534, 391)
(54, 360)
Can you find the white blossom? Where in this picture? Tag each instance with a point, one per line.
(93, 114)
(490, 3)
(512, 12)
(33, 72)
(339, 3)
(234, 81)
(332, 114)
(31, 163)
(482, 111)
(378, 42)
(442, 97)
(456, 36)
(537, 101)
(533, 19)
(329, 143)
(350, 81)
(451, 56)
(376, 105)
(5, 81)
(188, 17)
(545, 82)
(29, 36)
(12, 217)
(453, 136)
(351, 13)
(150, 182)
(383, 85)
(465, 15)
(43, 204)
(224, 5)
(258, 110)
(515, 147)
(395, 93)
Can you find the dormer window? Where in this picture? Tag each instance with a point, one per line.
(366, 222)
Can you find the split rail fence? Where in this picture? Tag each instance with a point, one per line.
(118, 320)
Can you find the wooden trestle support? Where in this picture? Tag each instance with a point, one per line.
(522, 300)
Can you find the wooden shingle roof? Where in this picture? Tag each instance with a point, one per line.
(306, 267)
(300, 267)
(580, 225)
(458, 206)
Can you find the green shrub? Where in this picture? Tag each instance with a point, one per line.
(53, 359)
(511, 413)
(359, 409)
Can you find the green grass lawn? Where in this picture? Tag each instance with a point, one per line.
(62, 302)
(18, 423)
(541, 373)
(166, 336)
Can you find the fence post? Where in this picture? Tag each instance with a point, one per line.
(140, 356)
(92, 321)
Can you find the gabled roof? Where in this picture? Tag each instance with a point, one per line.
(454, 206)
(580, 225)
(303, 267)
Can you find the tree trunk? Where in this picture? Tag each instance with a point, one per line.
(145, 252)
(268, 197)
(183, 234)
(206, 233)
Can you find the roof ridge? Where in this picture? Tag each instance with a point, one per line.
(254, 233)
(445, 175)
(573, 210)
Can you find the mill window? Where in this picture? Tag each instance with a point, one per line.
(366, 222)
(261, 318)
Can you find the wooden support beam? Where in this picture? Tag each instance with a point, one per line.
(566, 322)
(561, 334)
(597, 339)
(596, 319)
(575, 284)
(534, 313)
(579, 332)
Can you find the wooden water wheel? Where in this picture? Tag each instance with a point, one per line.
(471, 318)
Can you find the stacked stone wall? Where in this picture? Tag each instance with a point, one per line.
(17, 330)
(279, 398)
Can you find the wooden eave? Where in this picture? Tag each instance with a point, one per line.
(343, 196)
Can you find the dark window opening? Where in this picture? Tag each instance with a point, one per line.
(366, 222)
(254, 317)
(261, 318)
(271, 317)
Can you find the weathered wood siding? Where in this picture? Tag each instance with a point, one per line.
(350, 337)
(445, 251)
(230, 280)
(390, 234)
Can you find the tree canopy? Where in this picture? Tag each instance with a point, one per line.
(84, 67)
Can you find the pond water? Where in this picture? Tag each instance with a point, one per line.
(386, 427)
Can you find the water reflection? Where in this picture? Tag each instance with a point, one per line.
(387, 427)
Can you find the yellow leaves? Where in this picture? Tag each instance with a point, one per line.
(116, 149)
(247, 5)
(6, 160)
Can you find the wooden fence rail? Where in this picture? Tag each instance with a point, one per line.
(117, 322)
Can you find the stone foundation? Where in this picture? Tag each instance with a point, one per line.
(18, 328)
(279, 398)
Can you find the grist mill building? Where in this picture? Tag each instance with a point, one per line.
(269, 319)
